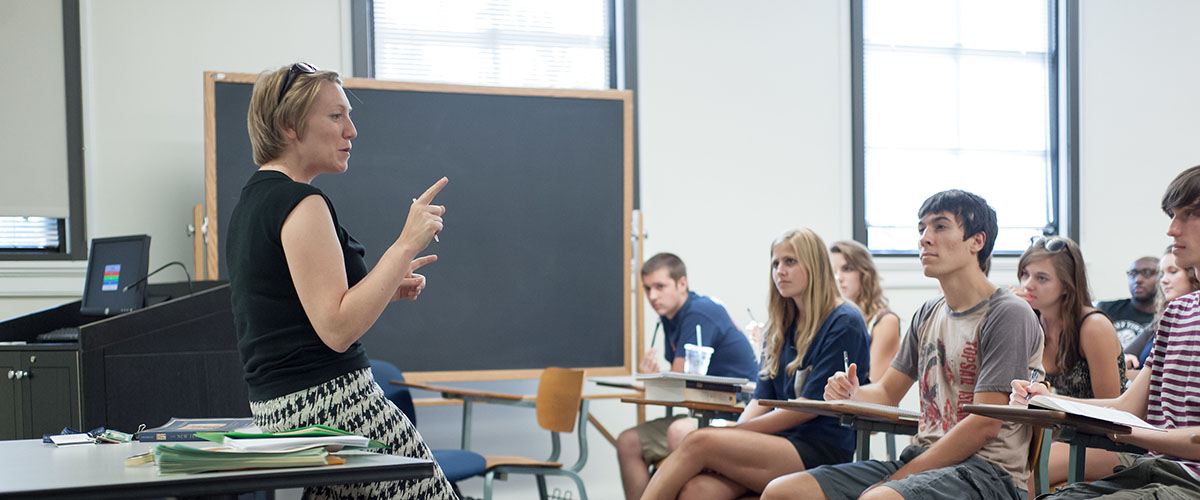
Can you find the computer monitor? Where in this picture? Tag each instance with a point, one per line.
(114, 264)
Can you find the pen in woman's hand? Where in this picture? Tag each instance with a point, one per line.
(1033, 374)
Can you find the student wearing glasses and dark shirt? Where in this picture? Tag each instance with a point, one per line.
(302, 294)
(1130, 316)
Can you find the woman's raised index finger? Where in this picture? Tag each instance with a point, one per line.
(433, 190)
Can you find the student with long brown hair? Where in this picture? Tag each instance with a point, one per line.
(811, 332)
(858, 280)
(1082, 355)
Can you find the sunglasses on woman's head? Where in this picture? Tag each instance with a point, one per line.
(296, 69)
(1050, 243)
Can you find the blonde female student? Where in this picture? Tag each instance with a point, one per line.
(811, 333)
(858, 281)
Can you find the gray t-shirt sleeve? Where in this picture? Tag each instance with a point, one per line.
(907, 357)
(1010, 338)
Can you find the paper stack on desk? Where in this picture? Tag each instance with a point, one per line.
(312, 436)
(183, 459)
(673, 386)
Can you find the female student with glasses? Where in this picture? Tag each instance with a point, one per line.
(1082, 355)
(302, 294)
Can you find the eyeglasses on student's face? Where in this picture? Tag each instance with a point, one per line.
(1145, 273)
(296, 69)
(1052, 244)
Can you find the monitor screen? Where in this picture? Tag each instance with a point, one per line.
(113, 265)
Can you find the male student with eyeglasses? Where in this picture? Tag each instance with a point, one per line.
(1130, 316)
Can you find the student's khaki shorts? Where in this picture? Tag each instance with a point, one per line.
(653, 436)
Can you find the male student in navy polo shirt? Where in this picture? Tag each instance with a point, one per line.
(680, 310)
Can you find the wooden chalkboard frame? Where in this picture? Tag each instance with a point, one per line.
(632, 294)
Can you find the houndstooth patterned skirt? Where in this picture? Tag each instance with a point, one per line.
(355, 403)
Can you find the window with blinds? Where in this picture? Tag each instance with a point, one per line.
(957, 94)
(508, 43)
(29, 233)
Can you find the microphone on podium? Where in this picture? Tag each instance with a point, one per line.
(164, 266)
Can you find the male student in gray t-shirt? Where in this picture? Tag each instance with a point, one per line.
(960, 349)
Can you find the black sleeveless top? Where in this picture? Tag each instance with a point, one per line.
(279, 348)
(1076, 381)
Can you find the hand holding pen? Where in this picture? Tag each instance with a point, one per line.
(1023, 390)
(424, 218)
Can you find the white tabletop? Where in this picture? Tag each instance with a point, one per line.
(30, 468)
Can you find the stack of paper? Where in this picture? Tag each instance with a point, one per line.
(672, 386)
(313, 436)
(1091, 411)
(183, 459)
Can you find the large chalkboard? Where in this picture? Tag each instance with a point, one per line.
(534, 260)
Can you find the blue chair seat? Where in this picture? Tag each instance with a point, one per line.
(460, 464)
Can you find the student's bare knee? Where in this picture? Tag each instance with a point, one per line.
(678, 430)
(800, 485)
(701, 440)
(629, 445)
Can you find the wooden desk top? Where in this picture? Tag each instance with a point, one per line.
(1038, 417)
(868, 411)
(691, 405)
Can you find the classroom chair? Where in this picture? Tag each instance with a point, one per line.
(560, 392)
(456, 464)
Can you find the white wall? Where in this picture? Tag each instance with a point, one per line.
(1138, 109)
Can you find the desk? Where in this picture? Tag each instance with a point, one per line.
(471, 396)
(1080, 432)
(704, 412)
(32, 469)
(864, 418)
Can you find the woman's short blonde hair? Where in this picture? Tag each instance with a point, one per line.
(269, 115)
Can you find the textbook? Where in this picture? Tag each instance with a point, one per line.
(1090, 411)
(673, 386)
(185, 429)
(313, 436)
(183, 459)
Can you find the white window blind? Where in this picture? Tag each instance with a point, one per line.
(957, 94)
(508, 43)
(28, 233)
(33, 117)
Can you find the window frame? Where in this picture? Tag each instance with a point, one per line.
(622, 70)
(1064, 126)
(72, 233)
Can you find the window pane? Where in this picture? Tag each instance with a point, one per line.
(514, 43)
(28, 233)
(956, 94)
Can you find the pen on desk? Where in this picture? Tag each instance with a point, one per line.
(435, 238)
(1033, 373)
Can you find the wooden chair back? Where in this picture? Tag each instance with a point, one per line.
(560, 390)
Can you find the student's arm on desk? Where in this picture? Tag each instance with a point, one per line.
(1175, 442)
(965, 439)
(888, 391)
(759, 418)
(1134, 400)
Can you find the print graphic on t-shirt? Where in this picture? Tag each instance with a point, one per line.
(941, 371)
(1127, 330)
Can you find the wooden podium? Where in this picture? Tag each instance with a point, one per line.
(175, 358)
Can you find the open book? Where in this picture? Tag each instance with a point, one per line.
(1090, 411)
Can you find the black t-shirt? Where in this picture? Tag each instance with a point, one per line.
(280, 351)
(1128, 320)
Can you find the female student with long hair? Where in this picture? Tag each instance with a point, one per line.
(1082, 355)
(806, 315)
(858, 281)
(1173, 282)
